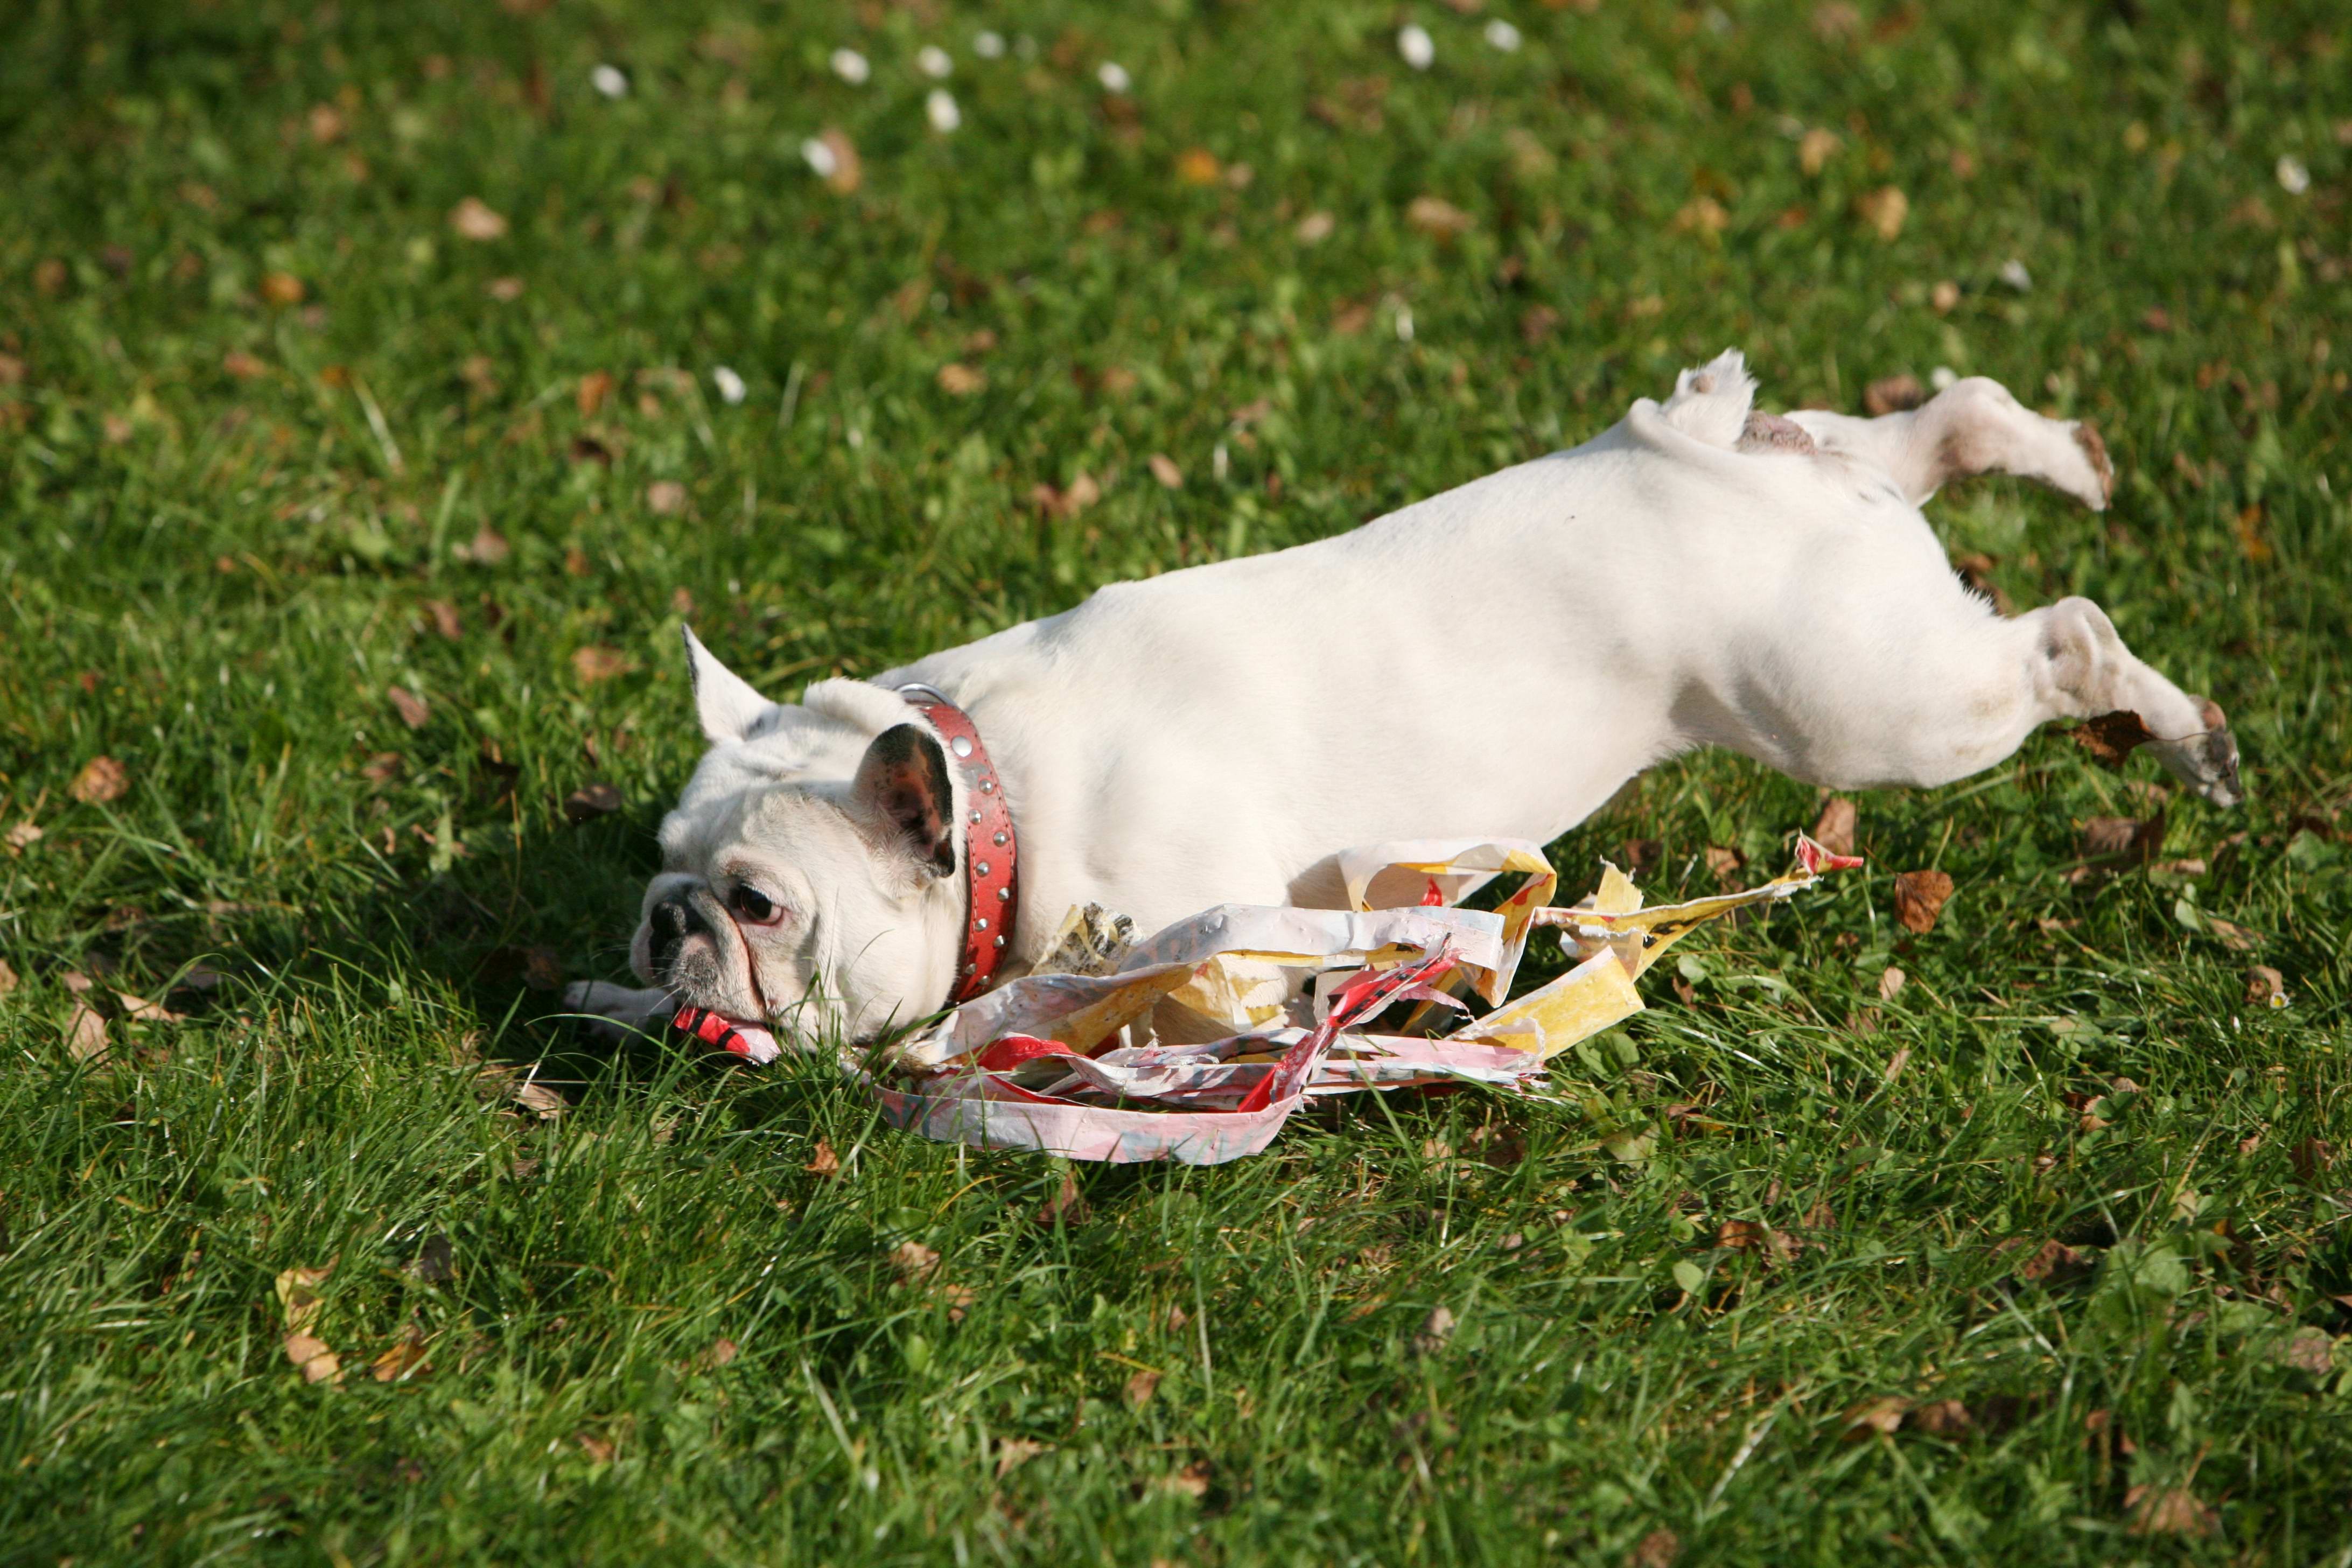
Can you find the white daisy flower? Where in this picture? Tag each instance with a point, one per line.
(1404, 323)
(989, 45)
(610, 80)
(1942, 376)
(2013, 273)
(729, 384)
(1501, 34)
(851, 67)
(820, 158)
(1113, 77)
(2294, 178)
(933, 62)
(940, 110)
(1415, 45)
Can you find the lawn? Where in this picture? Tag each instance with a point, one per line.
(364, 443)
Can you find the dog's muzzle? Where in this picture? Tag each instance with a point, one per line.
(672, 921)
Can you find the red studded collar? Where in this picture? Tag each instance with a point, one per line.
(991, 890)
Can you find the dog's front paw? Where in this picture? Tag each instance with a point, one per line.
(615, 1012)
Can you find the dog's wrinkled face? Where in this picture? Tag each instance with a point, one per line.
(820, 909)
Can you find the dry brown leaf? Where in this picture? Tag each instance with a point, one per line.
(1066, 1206)
(7, 978)
(721, 1351)
(298, 1298)
(1944, 1418)
(443, 616)
(595, 388)
(403, 1359)
(101, 781)
(2313, 1158)
(1435, 1331)
(2170, 1510)
(590, 802)
(1890, 983)
(140, 1010)
(1662, 1548)
(2110, 737)
(1882, 1415)
(1164, 469)
(1315, 227)
(22, 836)
(1919, 898)
(1198, 166)
(1141, 1388)
(1741, 1234)
(913, 1263)
(666, 497)
(412, 709)
(243, 366)
(599, 1451)
(595, 663)
(959, 380)
(1816, 147)
(1834, 829)
(475, 219)
(1893, 395)
(1192, 1481)
(2123, 837)
(487, 548)
(2233, 936)
(1945, 298)
(2311, 1350)
(85, 1034)
(847, 174)
(282, 289)
(824, 1161)
(1895, 1066)
(542, 969)
(1437, 219)
(2263, 984)
(1011, 1453)
(505, 290)
(316, 1362)
(1884, 209)
(1723, 863)
(2053, 1260)
(1703, 214)
(541, 1101)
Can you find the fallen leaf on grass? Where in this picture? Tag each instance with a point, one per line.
(913, 1263)
(2265, 987)
(101, 779)
(86, 1034)
(1741, 1234)
(1011, 1453)
(444, 616)
(2233, 936)
(1723, 863)
(2313, 1157)
(598, 1450)
(316, 1362)
(1164, 469)
(595, 388)
(824, 1161)
(22, 836)
(1192, 1481)
(2126, 838)
(243, 366)
(590, 802)
(1814, 148)
(1141, 1388)
(1891, 983)
(538, 1100)
(2171, 1510)
(1435, 1331)
(7, 978)
(2053, 1260)
(475, 219)
(666, 497)
(1881, 1416)
(595, 663)
(1066, 1206)
(1834, 829)
(412, 709)
(1920, 899)
(487, 548)
(1884, 209)
(1893, 395)
(297, 1296)
(1662, 1548)
(140, 1010)
(402, 1358)
(1315, 227)
(1198, 166)
(1437, 219)
(1896, 1065)
(721, 1351)
(2110, 737)
(2310, 1349)
(959, 380)
(1944, 1418)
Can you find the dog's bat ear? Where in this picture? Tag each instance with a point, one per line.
(728, 708)
(902, 789)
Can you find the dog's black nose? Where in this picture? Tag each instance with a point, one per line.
(673, 920)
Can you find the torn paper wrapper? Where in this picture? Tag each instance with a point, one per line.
(1199, 1042)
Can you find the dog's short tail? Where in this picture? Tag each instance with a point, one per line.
(1711, 403)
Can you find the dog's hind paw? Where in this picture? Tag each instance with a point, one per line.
(2206, 762)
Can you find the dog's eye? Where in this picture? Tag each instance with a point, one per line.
(754, 905)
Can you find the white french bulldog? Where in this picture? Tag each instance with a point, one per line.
(1496, 660)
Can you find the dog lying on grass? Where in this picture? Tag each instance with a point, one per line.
(1699, 574)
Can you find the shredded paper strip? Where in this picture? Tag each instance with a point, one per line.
(1198, 1043)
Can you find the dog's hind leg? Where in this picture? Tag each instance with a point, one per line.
(1973, 426)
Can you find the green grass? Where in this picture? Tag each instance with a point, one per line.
(213, 577)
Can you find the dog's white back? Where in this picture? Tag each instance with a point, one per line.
(1493, 660)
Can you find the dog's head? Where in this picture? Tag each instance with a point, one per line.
(809, 877)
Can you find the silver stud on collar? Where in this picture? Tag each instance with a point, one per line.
(988, 786)
(981, 924)
(1000, 839)
(961, 745)
(981, 869)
